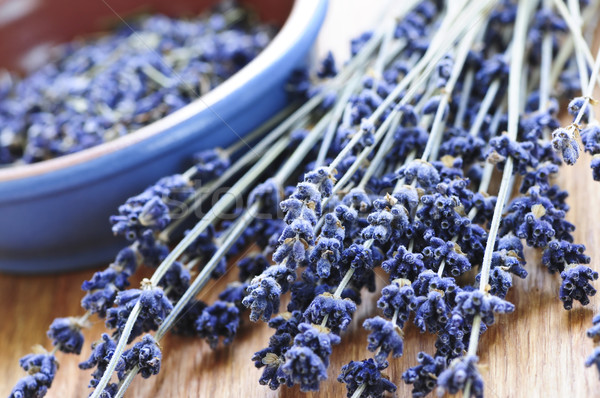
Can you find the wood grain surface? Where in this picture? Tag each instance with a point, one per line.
(538, 351)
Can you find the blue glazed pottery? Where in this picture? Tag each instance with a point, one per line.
(54, 214)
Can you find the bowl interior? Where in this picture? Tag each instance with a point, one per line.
(28, 28)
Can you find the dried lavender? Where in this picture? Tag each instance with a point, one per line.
(440, 305)
(360, 258)
(394, 170)
(98, 89)
(137, 222)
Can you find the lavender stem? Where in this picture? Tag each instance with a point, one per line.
(515, 80)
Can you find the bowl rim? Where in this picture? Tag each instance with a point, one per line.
(294, 26)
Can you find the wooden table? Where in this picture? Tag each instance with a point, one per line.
(538, 351)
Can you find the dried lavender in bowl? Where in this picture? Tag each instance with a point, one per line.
(96, 89)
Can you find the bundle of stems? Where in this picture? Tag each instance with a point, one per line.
(388, 162)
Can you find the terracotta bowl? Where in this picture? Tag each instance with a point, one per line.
(54, 214)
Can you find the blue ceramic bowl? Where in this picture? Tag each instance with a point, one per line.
(54, 214)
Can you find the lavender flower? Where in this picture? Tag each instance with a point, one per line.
(404, 264)
(349, 212)
(576, 286)
(577, 105)
(337, 311)
(101, 355)
(424, 376)
(503, 147)
(307, 360)
(272, 357)
(594, 331)
(459, 373)
(564, 140)
(102, 290)
(265, 293)
(42, 369)
(219, 319)
(432, 312)
(66, 334)
(385, 338)
(590, 136)
(176, 280)
(388, 221)
(560, 252)
(210, 163)
(144, 354)
(423, 173)
(154, 308)
(302, 366)
(365, 376)
(477, 303)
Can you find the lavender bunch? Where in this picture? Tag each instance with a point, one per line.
(96, 90)
(436, 228)
(140, 221)
(330, 312)
(387, 163)
(544, 222)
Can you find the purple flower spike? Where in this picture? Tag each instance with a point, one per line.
(307, 361)
(423, 377)
(302, 366)
(432, 312)
(388, 221)
(404, 264)
(460, 372)
(476, 302)
(177, 279)
(270, 194)
(499, 280)
(144, 354)
(328, 67)
(66, 334)
(590, 136)
(595, 166)
(155, 306)
(456, 263)
(366, 375)
(102, 352)
(385, 338)
(252, 265)
(560, 252)
(326, 255)
(264, 293)
(219, 319)
(424, 173)
(563, 140)
(210, 164)
(576, 105)
(576, 285)
(594, 331)
(503, 147)
(400, 298)
(42, 369)
(332, 228)
(337, 310)
(272, 357)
